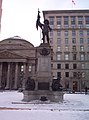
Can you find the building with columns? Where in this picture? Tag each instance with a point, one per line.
(69, 40)
(0, 12)
(17, 62)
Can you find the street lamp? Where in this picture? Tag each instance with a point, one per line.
(21, 81)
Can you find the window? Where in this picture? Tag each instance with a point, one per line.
(58, 66)
(74, 48)
(74, 74)
(58, 41)
(66, 41)
(81, 32)
(81, 48)
(58, 21)
(22, 68)
(80, 18)
(58, 33)
(87, 56)
(58, 48)
(66, 20)
(51, 20)
(87, 32)
(74, 66)
(58, 57)
(30, 68)
(58, 74)
(66, 33)
(83, 74)
(88, 47)
(81, 40)
(80, 21)
(51, 65)
(73, 33)
(88, 40)
(87, 21)
(82, 57)
(66, 48)
(66, 74)
(74, 56)
(74, 40)
(73, 18)
(66, 56)
(66, 66)
(82, 65)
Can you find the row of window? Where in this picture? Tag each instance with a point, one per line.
(72, 19)
(74, 49)
(74, 56)
(67, 66)
(67, 41)
(75, 75)
(73, 33)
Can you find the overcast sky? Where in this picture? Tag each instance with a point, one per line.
(19, 16)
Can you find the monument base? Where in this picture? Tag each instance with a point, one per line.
(53, 96)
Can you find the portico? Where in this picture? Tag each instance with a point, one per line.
(10, 75)
(17, 63)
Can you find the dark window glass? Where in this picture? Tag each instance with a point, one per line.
(74, 56)
(66, 66)
(58, 66)
(58, 74)
(74, 66)
(66, 74)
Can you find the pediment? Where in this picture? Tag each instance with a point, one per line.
(10, 55)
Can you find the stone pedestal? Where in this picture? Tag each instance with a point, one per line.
(52, 96)
(44, 67)
(43, 81)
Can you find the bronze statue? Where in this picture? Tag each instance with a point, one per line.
(30, 84)
(56, 86)
(45, 28)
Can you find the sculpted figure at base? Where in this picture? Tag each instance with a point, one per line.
(56, 86)
(45, 28)
(30, 84)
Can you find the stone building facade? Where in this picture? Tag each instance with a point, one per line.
(17, 62)
(69, 40)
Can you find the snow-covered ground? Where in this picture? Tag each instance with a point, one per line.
(74, 107)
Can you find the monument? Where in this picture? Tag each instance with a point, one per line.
(44, 87)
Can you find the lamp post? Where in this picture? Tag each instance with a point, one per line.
(21, 81)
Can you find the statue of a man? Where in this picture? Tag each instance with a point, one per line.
(45, 28)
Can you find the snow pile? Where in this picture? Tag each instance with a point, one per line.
(74, 107)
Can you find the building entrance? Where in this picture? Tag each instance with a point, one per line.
(75, 85)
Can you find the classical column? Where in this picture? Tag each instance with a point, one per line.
(36, 85)
(8, 77)
(0, 74)
(16, 76)
(24, 77)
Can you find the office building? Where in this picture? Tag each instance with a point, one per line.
(69, 40)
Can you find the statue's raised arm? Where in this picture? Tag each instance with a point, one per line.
(45, 28)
